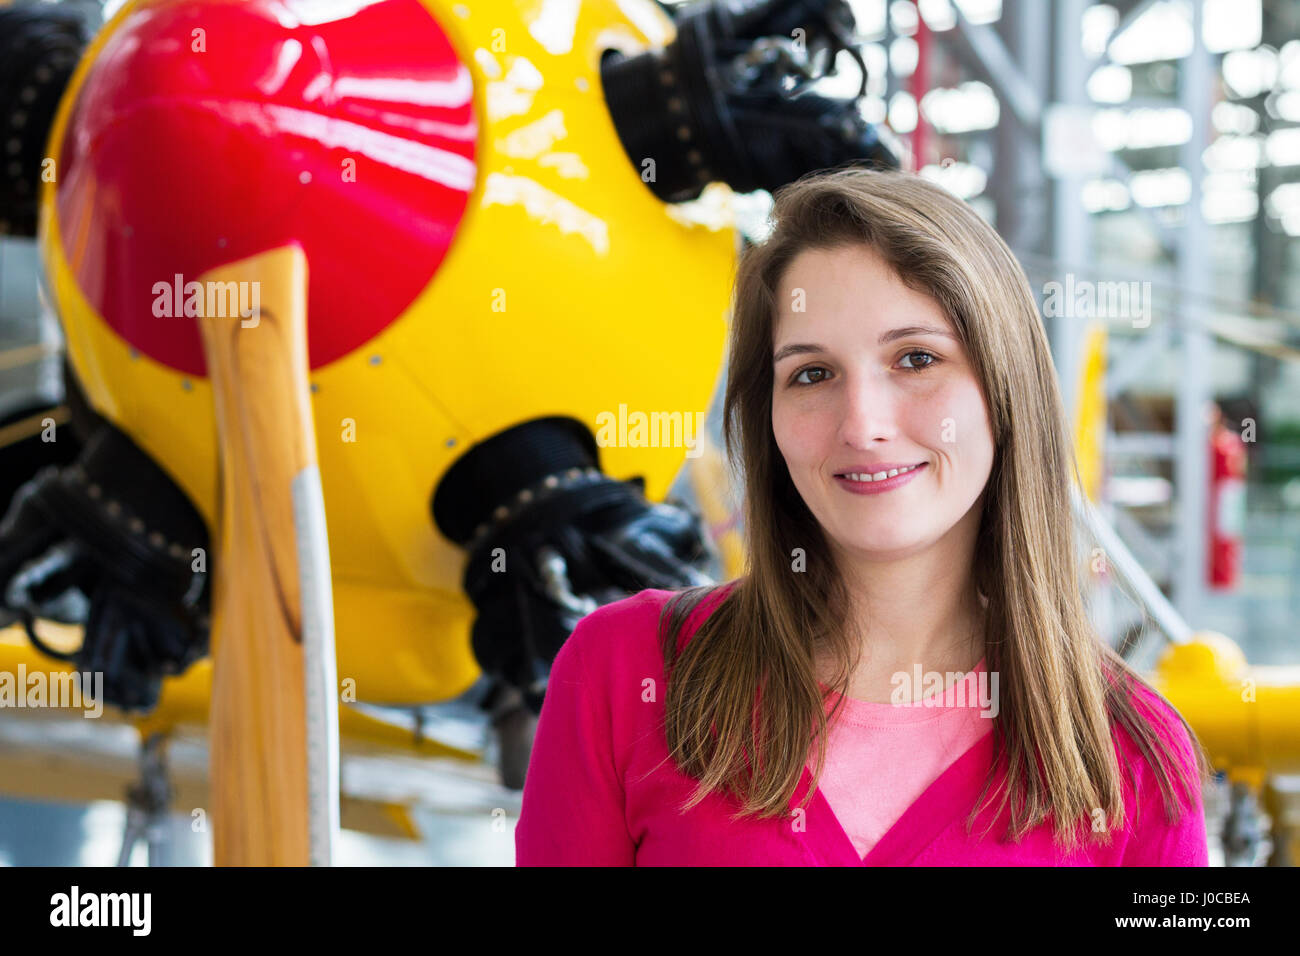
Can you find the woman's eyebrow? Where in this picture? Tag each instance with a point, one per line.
(799, 348)
(887, 337)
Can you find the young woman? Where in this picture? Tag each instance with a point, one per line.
(906, 674)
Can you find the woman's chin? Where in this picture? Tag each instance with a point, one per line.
(883, 547)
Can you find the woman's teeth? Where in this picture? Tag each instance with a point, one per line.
(881, 475)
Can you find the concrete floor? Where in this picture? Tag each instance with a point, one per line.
(56, 834)
(461, 813)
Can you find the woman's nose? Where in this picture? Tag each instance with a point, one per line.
(867, 411)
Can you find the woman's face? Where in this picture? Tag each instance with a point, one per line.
(868, 391)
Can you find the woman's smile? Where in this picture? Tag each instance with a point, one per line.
(879, 482)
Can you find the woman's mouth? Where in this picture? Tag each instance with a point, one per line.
(862, 483)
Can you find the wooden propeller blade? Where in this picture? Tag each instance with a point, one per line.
(273, 762)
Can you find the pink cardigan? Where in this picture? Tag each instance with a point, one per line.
(601, 789)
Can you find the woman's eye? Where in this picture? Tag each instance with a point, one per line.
(802, 372)
(930, 360)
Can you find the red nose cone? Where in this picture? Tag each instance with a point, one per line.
(208, 132)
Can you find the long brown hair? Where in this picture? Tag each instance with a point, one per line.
(743, 704)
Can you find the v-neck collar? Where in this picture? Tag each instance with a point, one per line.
(950, 796)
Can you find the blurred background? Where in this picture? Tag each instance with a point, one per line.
(1143, 161)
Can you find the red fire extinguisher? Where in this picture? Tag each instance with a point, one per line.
(1227, 505)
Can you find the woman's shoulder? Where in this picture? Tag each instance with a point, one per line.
(1163, 718)
(1168, 727)
(617, 623)
(625, 633)
(1162, 832)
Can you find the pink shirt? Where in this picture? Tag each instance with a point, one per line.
(602, 789)
(881, 757)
